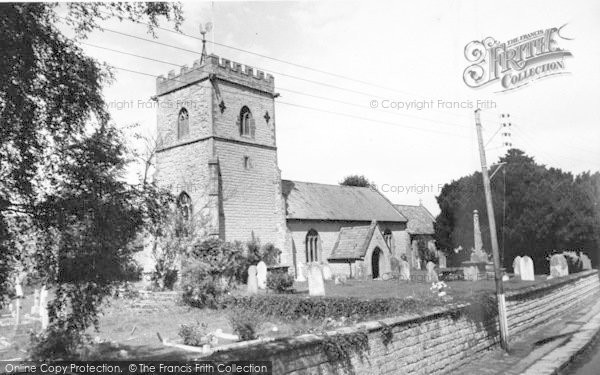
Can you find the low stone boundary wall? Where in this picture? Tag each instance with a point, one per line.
(434, 343)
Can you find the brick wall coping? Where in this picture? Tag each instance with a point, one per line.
(549, 284)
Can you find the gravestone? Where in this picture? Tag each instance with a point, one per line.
(252, 280)
(361, 271)
(386, 276)
(35, 308)
(261, 275)
(301, 273)
(316, 285)
(44, 307)
(471, 273)
(558, 266)
(404, 270)
(517, 266)
(527, 273)
(327, 274)
(431, 274)
(442, 259)
(395, 263)
(586, 262)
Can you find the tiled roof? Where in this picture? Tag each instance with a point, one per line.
(312, 201)
(352, 242)
(420, 220)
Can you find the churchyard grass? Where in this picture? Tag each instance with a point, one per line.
(134, 330)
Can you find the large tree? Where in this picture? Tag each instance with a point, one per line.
(63, 201)
(538, 210)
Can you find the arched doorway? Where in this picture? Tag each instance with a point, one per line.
(375, 262)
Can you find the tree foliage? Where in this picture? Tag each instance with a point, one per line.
(538, 210)
(357, 180)
(63, 202)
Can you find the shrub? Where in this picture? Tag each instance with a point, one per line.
(280, 282)
(193, 334)
(294, 307)
(209, 273)
(56, 344)
(245, 323)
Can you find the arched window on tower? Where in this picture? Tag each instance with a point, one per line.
(312, 246)
(184, 215)
(246, 122)
(387, 237)
(183, 124)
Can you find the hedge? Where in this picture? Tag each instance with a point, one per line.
(293, 307)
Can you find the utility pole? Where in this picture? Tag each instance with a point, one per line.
(490, 212)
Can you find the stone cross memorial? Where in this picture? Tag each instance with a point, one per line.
(527, 273)
(261, 275)
(558, 266)
(517, 266)
(316, 285)
(252, 280)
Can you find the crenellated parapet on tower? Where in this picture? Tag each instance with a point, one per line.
(214, 67)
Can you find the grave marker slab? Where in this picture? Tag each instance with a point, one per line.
(527, 272)
(316, 285)
(252, 283)
(261, 275)
(558, 266)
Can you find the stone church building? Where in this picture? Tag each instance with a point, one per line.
(217, 153)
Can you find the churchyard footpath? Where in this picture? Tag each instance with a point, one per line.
(547, 349)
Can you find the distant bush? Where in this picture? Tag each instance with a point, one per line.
(245, 323)
(193, 334)
(280, 282)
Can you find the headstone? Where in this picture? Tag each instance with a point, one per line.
(471, 273)
(316, 285)
(386, 276)
(527, 273)
(301, 273)
(442, 259)
(35, 308)
(361, 271)
(252, 280)
(404, 270)
(336, 279)
(395, 263)
(431, 274)
(517, 266)
(585, 261)
(415, 252)
(558, 266)
(261, 275)
(44, 307)
(327, 274)
(505, 278)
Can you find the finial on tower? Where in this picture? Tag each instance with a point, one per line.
(207, 28)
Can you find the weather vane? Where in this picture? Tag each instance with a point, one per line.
(207, 28)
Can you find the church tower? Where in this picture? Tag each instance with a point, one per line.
(217, 151)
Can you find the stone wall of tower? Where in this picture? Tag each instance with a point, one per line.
(249, 199)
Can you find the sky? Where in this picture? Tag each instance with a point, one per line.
(382, 52)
